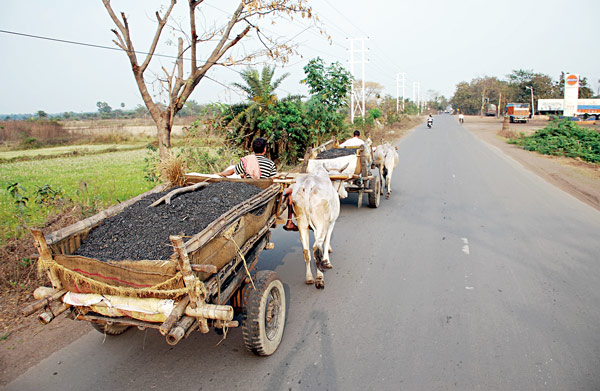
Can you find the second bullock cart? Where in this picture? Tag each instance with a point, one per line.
(352, 167)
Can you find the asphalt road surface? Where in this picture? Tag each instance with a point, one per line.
(474, 275)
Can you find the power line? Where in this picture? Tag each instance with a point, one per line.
(108, 47)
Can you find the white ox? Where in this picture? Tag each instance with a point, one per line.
(386, 159)
(316, 204)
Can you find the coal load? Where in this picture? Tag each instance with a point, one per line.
(336, 152)
(142, 232)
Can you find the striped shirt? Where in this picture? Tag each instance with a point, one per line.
(267, 168)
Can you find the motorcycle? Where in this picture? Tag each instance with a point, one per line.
(429, 122)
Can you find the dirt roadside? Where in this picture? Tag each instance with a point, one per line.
(576, 177)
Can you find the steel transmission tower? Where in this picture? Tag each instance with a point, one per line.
(357, 99)
(403, 74)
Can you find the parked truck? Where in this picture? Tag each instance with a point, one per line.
(490, 110)
(518, 112)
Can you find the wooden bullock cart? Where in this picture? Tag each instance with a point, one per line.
(357, 177)
(205, 282)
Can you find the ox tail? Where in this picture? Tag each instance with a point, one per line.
(317, 228)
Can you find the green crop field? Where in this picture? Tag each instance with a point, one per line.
(92, 180)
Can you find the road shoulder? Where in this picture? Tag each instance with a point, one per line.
(576, 177)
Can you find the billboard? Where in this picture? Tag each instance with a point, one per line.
(550, 105)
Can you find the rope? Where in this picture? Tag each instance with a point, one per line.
(239, 250)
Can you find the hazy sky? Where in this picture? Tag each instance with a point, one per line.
(438, 43)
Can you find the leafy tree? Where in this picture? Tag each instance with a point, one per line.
(470, 98)
(215, 45)
(41, 114)
(103, 108)
(285, 127)
(465, 98)
(543, 86)
(328, 104)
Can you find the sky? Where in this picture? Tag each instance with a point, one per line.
(437, 43)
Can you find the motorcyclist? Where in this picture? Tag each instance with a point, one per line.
(430, 120)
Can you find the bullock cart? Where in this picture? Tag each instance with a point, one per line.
(205, 281)
(352, 168)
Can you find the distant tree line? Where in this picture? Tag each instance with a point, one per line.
(105, 111)
(472, 97)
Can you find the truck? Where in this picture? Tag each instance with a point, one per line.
(518, 112)
(490, 110)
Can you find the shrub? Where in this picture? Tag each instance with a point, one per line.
(563, 137)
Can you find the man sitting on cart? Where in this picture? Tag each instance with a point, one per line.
(354, 141)
(258, 166)
(255, 166)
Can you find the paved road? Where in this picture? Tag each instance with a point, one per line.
(476, 274)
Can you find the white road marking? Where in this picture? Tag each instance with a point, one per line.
(465, 248)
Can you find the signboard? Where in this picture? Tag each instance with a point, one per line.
(589, 106)
(551, 105)
(571, 94)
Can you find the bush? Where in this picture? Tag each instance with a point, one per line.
(563, 137)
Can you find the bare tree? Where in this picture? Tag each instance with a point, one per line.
(372, 91)
(177, 85)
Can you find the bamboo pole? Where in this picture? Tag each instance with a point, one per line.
(181, 190)
(48, 316)
(31, 308)
(189, 279)
(179, 331)
(42, 292)
(203, 326)
(45, 256)
(211, 311)
(174, 316)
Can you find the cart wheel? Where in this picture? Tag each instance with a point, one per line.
(264, 313)
(110, 329)
(374, 195)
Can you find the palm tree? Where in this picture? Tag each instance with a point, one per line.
(259, 89)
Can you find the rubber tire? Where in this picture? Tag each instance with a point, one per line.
(254, 314)
(374, 196)
(110, 329)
